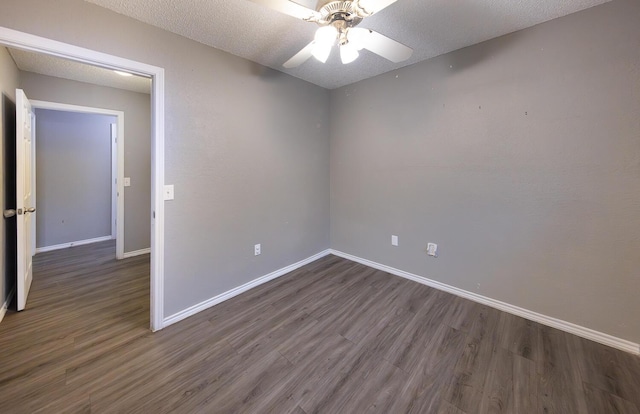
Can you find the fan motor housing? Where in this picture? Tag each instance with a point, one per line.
(342, 14)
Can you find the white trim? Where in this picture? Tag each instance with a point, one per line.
(34, 202)
(157, 202)
(569, 327)
(56, 106)
(5, 305)
(113, 129)
(71, 244)
(120, 188)
(26, 41)
(240, 289)
(136, 253)
(119, 149)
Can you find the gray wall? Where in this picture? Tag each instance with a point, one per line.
(247, 149)
(9, 81)
(73, 176)
(137, 142)
(520, 157)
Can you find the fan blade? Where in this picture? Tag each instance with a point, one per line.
(300, 57)
(374, 6)
(290, 8)
(379, 44)
(309, 4)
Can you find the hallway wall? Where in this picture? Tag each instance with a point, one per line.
(73, 177)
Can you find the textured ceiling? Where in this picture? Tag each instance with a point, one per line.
(67, 69)
(257, 33)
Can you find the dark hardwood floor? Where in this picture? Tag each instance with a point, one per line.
(331, 337)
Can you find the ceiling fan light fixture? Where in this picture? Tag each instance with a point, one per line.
(326, 35)
(348, 53)
(325, 38)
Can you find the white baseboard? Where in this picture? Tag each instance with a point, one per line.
(75, 243)
(137, 253)
(569, 327)
(5, 305)
(240, 289)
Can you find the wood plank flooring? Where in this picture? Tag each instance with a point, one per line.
(331, 337)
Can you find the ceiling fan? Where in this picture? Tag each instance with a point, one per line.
(338, 20)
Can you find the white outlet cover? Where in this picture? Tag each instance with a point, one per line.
(168, 192)
(127, 181)
(257, 249)
(432, 249)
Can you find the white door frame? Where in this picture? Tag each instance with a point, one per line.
(33, 182)
(26, 41)
(115, 192)
(119, 149)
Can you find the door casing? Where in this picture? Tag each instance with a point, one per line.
(55, 106)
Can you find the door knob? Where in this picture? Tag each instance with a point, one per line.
(31, 210)
(9, 213)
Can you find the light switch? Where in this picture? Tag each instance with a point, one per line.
(127, 181)
(394, 240)
(168, 192)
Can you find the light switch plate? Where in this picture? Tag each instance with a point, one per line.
(168, 192)
(127, 181)
(394, 240)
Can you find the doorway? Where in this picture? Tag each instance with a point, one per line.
(112, 153)
(25, 41)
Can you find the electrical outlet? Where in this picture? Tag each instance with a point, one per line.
(432, 249)
(257, 250)
(394, 240)
(127, 181)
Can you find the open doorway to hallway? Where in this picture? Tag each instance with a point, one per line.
(50, 47)
(65, 207)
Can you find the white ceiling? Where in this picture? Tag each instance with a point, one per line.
(68, 69)
(430, 27)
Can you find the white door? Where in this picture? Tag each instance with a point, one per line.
(24, 204)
